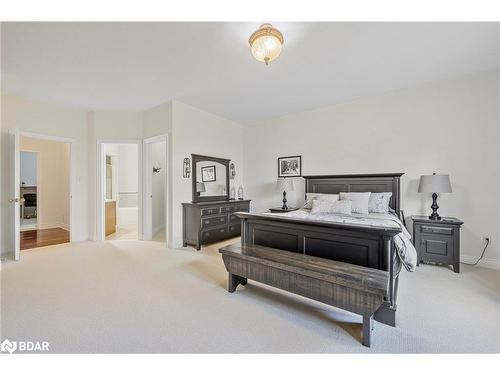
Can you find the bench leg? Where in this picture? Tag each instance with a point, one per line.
(234, 281)
(386, 314)
(367, 330)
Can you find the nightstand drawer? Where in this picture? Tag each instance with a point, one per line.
(213, 221)
(437, 230)
(437, 247)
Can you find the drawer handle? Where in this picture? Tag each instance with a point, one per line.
(221, 219)
(207, 221)
(222, 230)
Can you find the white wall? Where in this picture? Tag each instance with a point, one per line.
(158, 121)
(31, 116)
(198, 132)
(449, 127)
(158, 158)
(53, 189)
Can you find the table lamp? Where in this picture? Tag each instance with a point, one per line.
(284, 184)
(434, 183)
(200, 187)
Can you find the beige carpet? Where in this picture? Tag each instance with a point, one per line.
(130, 296)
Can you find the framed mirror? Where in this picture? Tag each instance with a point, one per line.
(210, 178)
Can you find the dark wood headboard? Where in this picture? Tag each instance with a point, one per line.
(375, 183)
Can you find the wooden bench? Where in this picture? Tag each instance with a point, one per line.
(360, 290)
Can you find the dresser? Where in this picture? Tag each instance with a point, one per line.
(437, 240)
(207, 222)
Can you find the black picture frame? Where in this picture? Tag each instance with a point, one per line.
(203, 174)
(295, 171)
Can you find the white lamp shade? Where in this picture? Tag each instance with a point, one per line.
(200, 187)
(434, 183)
(284, 184)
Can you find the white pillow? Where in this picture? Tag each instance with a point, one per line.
(310, 197)
(331, 207)
(379, 203)
(359, 201)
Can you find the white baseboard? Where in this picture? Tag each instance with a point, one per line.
(485, 262)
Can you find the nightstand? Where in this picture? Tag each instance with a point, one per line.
(279, 209)
(437, 240)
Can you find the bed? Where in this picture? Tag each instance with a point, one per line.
(363, 242)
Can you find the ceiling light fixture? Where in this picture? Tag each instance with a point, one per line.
(266, 43)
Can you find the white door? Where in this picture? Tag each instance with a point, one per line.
(15, 199)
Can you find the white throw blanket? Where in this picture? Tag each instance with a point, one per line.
(405, 253)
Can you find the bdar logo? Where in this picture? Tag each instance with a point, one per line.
(8, 346)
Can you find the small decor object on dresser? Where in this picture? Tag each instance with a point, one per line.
(186, 168)
(208, 174)
(240, 193)
(437, 241)
(290, 166)
(232, 171)
(232, 194)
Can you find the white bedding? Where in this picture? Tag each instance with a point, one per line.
(405, 255)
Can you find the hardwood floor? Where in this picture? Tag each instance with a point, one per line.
(43, 237)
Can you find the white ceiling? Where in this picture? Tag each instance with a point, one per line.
(135, 66)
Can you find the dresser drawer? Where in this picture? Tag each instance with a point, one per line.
(227, 209)
(242, 208)
(213, 221)
(214, 234)
(233, 219)
(235, 229)
(210, 211)
(437, 230)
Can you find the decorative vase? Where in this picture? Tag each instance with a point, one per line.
(232, 195)
(240, 193)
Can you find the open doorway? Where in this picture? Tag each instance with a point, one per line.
(44, 191)
(155, 189)
(120, 186)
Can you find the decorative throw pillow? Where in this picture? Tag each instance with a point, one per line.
(379, 203)
(331, 207)
(310, 197)
(359, 201)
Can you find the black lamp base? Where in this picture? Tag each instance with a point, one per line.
(284, 207)
(434, 215)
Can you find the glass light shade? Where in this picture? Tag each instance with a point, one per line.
(266, 43)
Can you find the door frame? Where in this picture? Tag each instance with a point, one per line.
(101, 181)
(148, 185)
(17, 134)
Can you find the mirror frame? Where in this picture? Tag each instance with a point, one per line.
(198, 158)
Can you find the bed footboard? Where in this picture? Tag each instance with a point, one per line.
(363, 246)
